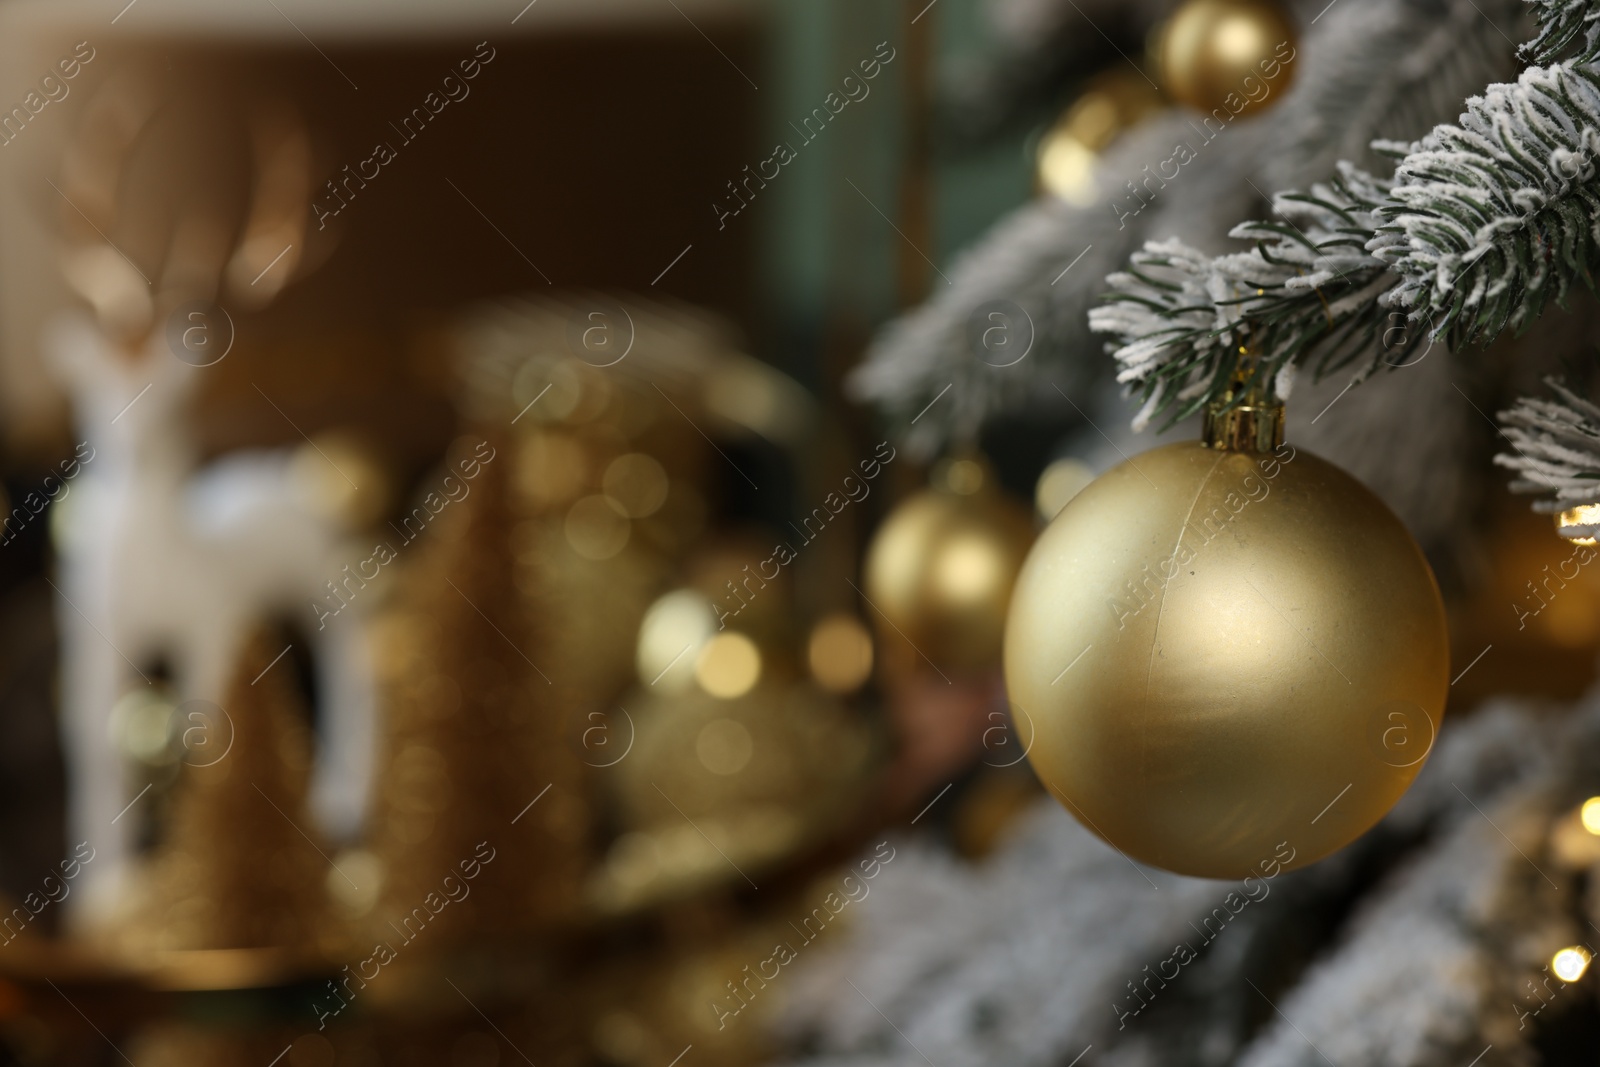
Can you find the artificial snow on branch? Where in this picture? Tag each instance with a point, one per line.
(1184, 320)
(1561, 23)
(1371, 69)
(1031, 957)
(1483, 223)
(1557, 448)
(1492, 218)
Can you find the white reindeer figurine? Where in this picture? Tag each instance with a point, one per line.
(162, 558)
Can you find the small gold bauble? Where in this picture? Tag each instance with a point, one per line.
(1235, 55)
(941, 568)
(1069, 150)
(1231, 662)
(1062, 480)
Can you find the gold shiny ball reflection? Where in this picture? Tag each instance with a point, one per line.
(968, 569)
(728, 666)
(941, 569)
(1230, 659)
(1066, 168)
(840, 653)
(1217, 53)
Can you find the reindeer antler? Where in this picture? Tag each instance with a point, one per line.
(91, 173)
(273, 242)
(208, 247)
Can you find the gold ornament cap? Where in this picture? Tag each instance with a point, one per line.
(1251, 422)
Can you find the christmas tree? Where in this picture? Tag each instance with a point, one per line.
(241, 867)
(1401, 245)
(473, 731)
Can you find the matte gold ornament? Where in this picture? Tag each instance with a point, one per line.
(1235, 55)
(1231, 660)
(942, 566)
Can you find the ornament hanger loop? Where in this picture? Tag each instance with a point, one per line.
(1247, 418)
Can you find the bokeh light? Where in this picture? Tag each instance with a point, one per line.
(729, 666)
(1570, 963)
(840, 653)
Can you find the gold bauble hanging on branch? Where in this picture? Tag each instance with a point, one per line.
(1235, 55)
(1232, 657)
(941, 568)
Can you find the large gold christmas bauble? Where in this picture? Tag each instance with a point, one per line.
(941, 568)
(1230, 662)
(1236, 55)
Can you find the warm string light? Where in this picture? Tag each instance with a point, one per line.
(1570, 963)
(673, 632)
(679, 646)
(1587, 515)
(1590, 814)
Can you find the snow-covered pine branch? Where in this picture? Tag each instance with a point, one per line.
(1490, 219)
(1563, 23)
(1309, 286)
(1556, 448)
(1483, 224)
(1386, 67)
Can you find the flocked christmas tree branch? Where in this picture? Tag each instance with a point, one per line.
(1372, 69)
(1308, 289)
(1556, 448)
(1483, 223)
(1561, 24)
